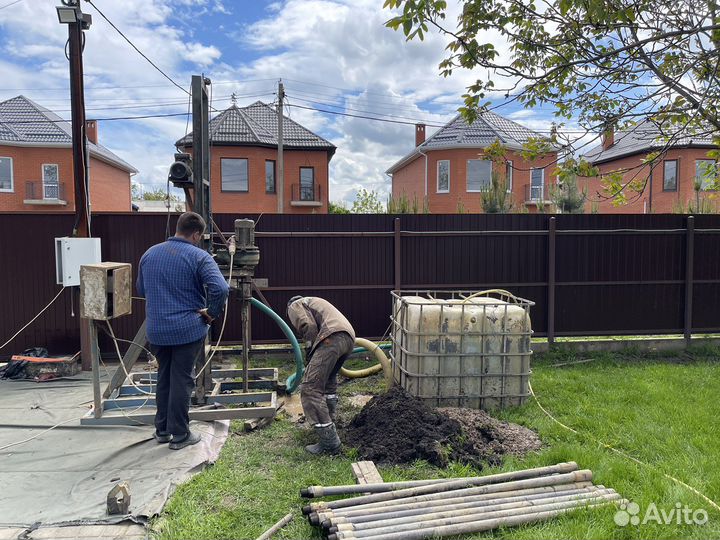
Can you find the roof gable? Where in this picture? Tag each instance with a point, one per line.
(487, 128)
(256, 124)
(24, 122)
(645, 136)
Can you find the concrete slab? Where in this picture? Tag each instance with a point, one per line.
(10, 533)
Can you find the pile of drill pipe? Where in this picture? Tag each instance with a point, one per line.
(445, 507)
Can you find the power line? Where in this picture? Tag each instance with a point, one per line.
(426, 122)
(409, 123)
(138, 50)
(10, 4)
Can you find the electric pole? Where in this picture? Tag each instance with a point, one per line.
(280, 188)
(77, 106)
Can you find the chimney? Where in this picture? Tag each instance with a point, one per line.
(91, 131)
(608, 138)
(419, 134)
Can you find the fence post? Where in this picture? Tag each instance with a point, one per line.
(396, 255)
(551, 283)
(689, 255)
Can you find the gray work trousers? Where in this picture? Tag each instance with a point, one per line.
(320, 376)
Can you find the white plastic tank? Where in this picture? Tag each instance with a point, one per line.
(462, 349)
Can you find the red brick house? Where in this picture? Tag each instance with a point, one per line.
(36, 166)
(449, 171)
(670, 184)
(243, 162)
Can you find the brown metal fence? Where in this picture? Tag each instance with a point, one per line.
(588, 274)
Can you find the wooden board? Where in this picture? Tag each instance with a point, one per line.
(366, 473)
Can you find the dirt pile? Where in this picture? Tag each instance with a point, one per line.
(396, 427)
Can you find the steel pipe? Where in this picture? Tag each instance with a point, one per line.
(324, 491)
(460, 488)
(450, 504)
(491, 510)
(450, 498)
(472, 524)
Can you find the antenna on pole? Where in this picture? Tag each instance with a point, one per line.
(233, 99)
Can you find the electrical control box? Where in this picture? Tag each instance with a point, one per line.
(71, 254)
(105, 290)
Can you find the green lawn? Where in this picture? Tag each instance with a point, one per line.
(664, 411)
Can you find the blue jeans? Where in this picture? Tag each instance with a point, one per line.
(175, 384)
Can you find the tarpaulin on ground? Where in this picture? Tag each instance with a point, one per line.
(65, 475)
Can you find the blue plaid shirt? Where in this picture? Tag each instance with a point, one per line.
(173, 277)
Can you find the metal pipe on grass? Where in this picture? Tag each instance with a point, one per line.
(326, 491)
(495, 510)
(451, 498)
(459, 487)
(454, 504)
(479, 525)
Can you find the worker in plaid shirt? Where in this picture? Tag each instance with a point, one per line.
(184, 292)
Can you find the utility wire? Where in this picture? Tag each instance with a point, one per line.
(10, 4)
(33, 319)
(153, 64)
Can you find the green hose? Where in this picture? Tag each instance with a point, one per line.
(293, 381)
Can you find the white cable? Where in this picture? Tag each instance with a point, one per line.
(117, 349)
(222, 329)
(33, 319)
(42, 432)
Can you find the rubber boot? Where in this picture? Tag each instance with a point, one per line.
(329, 441)
(332, 403)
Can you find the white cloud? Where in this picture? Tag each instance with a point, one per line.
(328, 52)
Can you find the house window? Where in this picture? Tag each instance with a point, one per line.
(478, 174)
(51, 184)
(443, 176)
(670, 175)
(307, 184)
(706, 174)
(6, 174)
(269, 176)
(234, 174)
(508, 175)
(537, 184)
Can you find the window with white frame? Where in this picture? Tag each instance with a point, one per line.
(509, 175)
(6, 174)
(706, 173)
(443, 176)
(234, 174)
(479, 172)
(537, 184)
(670, 170)
(51, 181)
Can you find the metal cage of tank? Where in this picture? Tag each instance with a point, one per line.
(462, 348)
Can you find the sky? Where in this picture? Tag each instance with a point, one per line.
(330, 54)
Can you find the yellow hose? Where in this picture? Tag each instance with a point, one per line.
(382, 365)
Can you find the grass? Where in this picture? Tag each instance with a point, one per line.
(661, 409)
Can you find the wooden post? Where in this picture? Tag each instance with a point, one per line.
(397, 255)
(551, 283)
(689, 255)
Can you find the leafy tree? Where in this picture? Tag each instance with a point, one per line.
(496, 199)
(337, 208)
(605, 64)
(367, 202)
(567, 197)
(403, 205)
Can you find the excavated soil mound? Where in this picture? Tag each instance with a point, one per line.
(396, 427)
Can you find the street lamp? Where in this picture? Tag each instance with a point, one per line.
(70, 12)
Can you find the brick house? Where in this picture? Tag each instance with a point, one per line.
(243, 162)
(449, 171)
(36, 164)
(670, 184)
